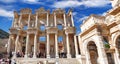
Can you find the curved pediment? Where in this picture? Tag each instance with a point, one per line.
(26, 11)
(41, 10)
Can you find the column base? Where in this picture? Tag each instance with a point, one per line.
(68, 56)
(103, 61)
(26, 56)
(45, 62)
(48, 56)
(34, 56)
(56, 56)
(14, 56)
(77, 56)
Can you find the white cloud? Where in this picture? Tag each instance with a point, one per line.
(82, 18)
(6, 13)
(74, 13)
(87, 3)
(7, 1)
(103, 14)
(78, 31)
(64, 4)
(96, 3)
(32, 1)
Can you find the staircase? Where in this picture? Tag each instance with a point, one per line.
(69, 61)
(47, 61)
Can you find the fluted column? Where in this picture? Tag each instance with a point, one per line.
(76, 46)
(29, 20)
(56, 46)
(36, 23)
(48, 47)
(116, 56)
(55, 19)
(16, 45)
(101, 50)
(64, 19)
(9, 44)
(27, 44)
(20, 19)
(35, 46)
(72, 19)
(47, 19)
(68, 46)
(88, 60)
(14, 22)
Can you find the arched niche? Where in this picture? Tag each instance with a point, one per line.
(93, 53)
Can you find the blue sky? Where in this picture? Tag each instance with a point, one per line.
(81, 9)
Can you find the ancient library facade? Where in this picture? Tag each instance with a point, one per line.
(50, 38)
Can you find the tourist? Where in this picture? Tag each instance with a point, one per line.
(0, 60)
(6, 61)
(10, 54)
(3, 61)
(39, 62)
(22, 54)
(13, 61)
(18, 54)
(9, 61)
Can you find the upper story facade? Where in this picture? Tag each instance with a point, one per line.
(43, 20)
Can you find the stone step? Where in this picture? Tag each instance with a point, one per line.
(47, 61)
(69, 61)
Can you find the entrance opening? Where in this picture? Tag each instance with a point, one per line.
(60, 27)
(110, 58)
(92, 48)
(118, 44)
(25, 28)
(42, 27)
(42, 39)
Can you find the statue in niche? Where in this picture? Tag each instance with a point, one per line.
(16, 24)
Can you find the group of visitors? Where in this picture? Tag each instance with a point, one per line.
(7, 61)
(62, 55)
(4, 61)
(20, 54)
(30, 55)
(41, 55)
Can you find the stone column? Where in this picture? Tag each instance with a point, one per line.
(16, 45)
(48, 47)
(68, 46)
(56, 46)
(14, 22)
(64, 19)
(101, 51)
(36, 23)
(88, 60)
(47, 19)
(35, 46)
(76, 46)
(20, 19)
(27, 44)
(55, 19)
(72, 19)
(116, 56)
(9, 44)
(29, 20)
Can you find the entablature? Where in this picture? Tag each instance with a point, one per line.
(91, 21)
(115, 10)
(70, 30)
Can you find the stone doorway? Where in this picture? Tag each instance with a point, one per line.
(110, 58)
(92, 48)
(118, 44)
(42, 50)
